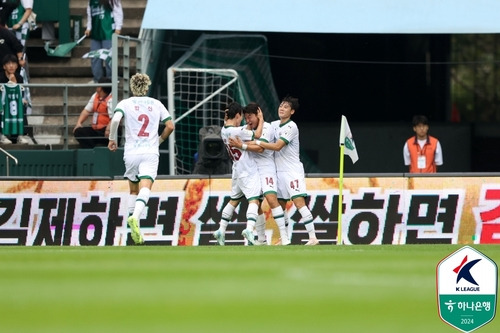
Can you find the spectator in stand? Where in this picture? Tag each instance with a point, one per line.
(18, 22)
(18, 19)
(100, 108)
(9, 44)
(104, 17)
(11, 76)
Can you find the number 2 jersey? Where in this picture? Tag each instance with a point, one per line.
(243, 164)
(142, 118)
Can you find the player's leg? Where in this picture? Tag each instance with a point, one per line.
(134, 190)
(133, 219)
(227, 215)
(282, 197)
(298, 193)
(260, 227)
(307, 219)
(147, 170)
(279, 216)
(252, 212)
(252, 189)
(131, 171)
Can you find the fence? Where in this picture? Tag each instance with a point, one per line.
(54, 114)
(59, 114)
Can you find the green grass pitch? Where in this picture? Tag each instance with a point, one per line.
(224, 289)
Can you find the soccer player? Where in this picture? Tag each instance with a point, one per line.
(245, 181)
(267, 172)
(143, 115)
(289, 168)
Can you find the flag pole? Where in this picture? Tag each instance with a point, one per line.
(341, 186)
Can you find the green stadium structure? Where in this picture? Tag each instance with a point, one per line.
(216, 70)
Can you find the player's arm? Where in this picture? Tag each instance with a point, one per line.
(258, 130)
(247, 145)
(169, 128)
(113, 130)
(276, 146)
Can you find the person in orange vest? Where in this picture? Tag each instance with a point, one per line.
(100, 110)
(422, 152)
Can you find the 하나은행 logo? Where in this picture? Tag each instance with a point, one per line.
(466, 284)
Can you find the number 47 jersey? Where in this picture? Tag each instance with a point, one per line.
(142, 117)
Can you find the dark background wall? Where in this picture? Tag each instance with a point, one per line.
(380, 146)
(368, 78)
(379, 82)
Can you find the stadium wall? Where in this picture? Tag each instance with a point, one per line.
(377, 209)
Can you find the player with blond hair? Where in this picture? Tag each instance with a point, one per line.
(142, 115)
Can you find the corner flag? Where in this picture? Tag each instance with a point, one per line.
(347, 147)
(347, 140)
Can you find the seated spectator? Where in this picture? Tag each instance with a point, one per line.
(100, 109)
(11, 75)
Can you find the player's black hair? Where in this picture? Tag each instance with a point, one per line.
(233, 109)
(251, 108)
(293, 101)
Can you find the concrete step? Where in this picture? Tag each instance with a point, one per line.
(36, 50)
(67, 67)
(47, 118)
(53, 95)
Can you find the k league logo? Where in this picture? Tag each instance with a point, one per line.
(463, 272)
(467, 289)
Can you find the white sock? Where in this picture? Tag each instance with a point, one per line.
(260, 227)
(285, 217)
(307, 218)
(252, 212)
(288, 224)
(131, 204)
(227, 215)
(279, 218)
(141, 201)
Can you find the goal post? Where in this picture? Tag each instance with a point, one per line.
(197, 98)
(216, 70)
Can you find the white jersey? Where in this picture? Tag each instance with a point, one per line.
(142, 119)
(265, 160)
(288, 158)
(243, 164)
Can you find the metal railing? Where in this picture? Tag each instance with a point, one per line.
(65, 114)
(7, 156)
(119, 85)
